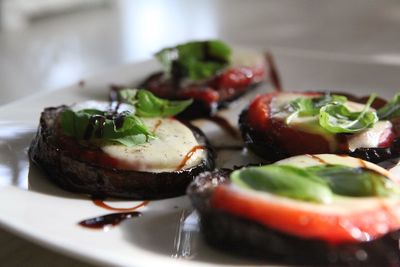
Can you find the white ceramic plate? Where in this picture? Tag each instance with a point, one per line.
(167, 233)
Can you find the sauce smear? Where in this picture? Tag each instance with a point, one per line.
(188, 156)
(316, 158)
(224, 124)
(273, 73)
(100, 203)
(108, 220)
(112, 219)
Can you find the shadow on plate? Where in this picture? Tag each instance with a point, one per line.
(38, 182)
(173, 231)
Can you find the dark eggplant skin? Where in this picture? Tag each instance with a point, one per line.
(77, 175)
(198, 109)
(247, 238)
(262, 144)
(267, 147)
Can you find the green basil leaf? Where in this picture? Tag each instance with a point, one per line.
(132, 131)
(391, 109)
(284, 180)
(195, 60)
(316, 183)
(356, 182)
(337, 118)
(148, 105)
(307, 106)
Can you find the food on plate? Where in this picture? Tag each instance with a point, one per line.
(282, 124)
(135, 150)
(307, 210)
(209, 72)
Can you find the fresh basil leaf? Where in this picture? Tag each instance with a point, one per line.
(284, 180)
(128, 96)
(316, 183)
(307, 106)
(148, 105)
(95, 125)
(337, 118)
(195, 60)
(391, 109)
(356, 182)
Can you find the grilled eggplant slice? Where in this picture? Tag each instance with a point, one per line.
(231, 232)
(278, 139)
(226, 74)
(60, 158)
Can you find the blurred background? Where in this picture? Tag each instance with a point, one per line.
(49, 44)
(46, 44)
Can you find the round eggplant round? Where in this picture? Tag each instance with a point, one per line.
(245, 237)
(82, 176)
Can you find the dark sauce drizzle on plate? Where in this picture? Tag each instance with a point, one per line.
(112, 219)
(224, 124)
(273, 72)
(108, 220)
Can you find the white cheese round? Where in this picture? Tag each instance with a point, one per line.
(370, 137)
(163, 154)
(247, 58)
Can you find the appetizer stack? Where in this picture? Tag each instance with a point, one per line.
(318, 198)
(209, 72)
(132, 150)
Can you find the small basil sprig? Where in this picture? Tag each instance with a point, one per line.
(195, 60)
(337, 118)
(391, 109)
(307, 106)
(99, 126)
(315, 184)
(284, 180)
(148, 105)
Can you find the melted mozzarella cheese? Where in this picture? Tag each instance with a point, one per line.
(162, 154)
(369, 137)
(321, 159)
(247, 58)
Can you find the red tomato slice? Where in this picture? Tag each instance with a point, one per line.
(308, 220)
(207, 95)
(259, 112)
(239, 77)
(386, 138)
(295, 141)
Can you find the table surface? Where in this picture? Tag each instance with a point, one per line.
(57, 51)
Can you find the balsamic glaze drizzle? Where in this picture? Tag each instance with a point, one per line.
(225, 125)
(100, 203)
(273, 72)
(188, 156)
(113, 219)
(97, 122)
